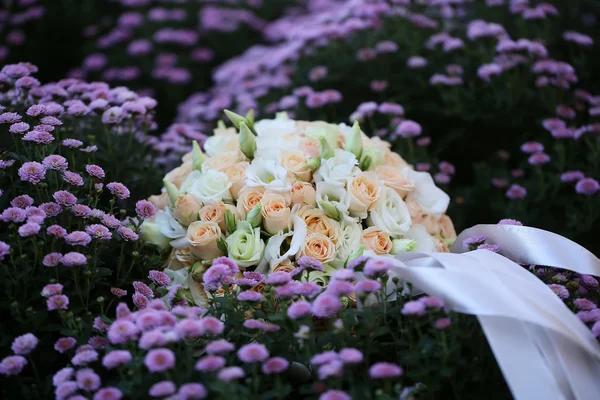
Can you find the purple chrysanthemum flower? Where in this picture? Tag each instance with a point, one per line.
(442, 323)
(84, 357)
(587, 187)
(72, 143)
(585, 304)
(307, 289)
(14, 214)
(32, 172)
(144, 209)
(95, 171)
(358, 263)
(56, 231)
(52, 289)
(109, 393)
(55, 162)
(560, 290)
(51, 209)
(275, 365)
(326, 305)
(19, 128)
(127, 234)
(81, 211)
(516, 192)
(118, 189)
(278, 278)
(99, 232)
(249, 296)
(110, 221)
(306, 262)
(571, 176)
(539, 159)
(189, 328)
(532, 147)
(192, 391)
(40, 137)
(368, 286)
(220, 346)
(78, 238)
(9, 118)
(252, 353)
(139, 300)
(414, 308)
(29, 229)
(73, 178)
(351, 356)
(50, 120)
(230, 374)
(340, 288)
(344, 275)
(65, 390)
(64, 198)
(335, 395)
(24, 344)
(159, 360)
(23, 201)
(4, 250)
(299, 309)
(64, 344)
(210, 363)
(87, 380)
(58, 302)
(98, 342)
(508, 221)
(491, 247)
(12, 365)
(376, 267)
(159, 278)
(384, 370)
(212, 326)
(62, 375)
(162, 389)
(408, 128)
(143, 289)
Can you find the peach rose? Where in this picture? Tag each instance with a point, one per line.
(189, 156)
(186, 209)
(394, 178)
(248, 198)
(236, 174)
(441, 246)
(225, 132)
(295, 163)
(303, 193)
(160, 201)
(179, 174)
(285, 265)
(276, 214)
(203, 239)
(377, 240)
(311, 146)
(364, 190)
(223, 161)
(447, 227)
(381, 144)
(431, 224)
(416, 214)
(214, 213)
(319, 247)
(317, 222)
(180, 258)
(394, 160)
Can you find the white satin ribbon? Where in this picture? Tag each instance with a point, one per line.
(526, 245)
(542, 348)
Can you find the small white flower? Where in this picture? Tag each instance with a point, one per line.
(268, 174)
(338, 169)
(273, 254)
(169, 227)
(432, 200)
(334, 194)
(425, 242)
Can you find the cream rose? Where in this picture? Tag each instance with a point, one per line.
(416, 214)
(431, 224)
(160, 201)
(186, 209)
(311, 146)
(363, 193)
(236, 174)
(248, 198)
(180, 174)
(391, 214)
(202, 237)
(319, 247)
(317, 222)
(377, 240)
(214, 213)
(303, 193)
(276, 213)
(284, 265)
(294, 161)
(393, 177)
(447, 227)
(222, 161)
(181, 258)
(394, 160)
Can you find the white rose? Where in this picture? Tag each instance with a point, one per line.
(268, 174)
(338, 169)
(432, 200)
(275, 127)
(208, 187)
(244, 246)
(216, 145)
(425, 242)
(169, 227)
(391, 214)
(269, 147)
(350, 240)
(273, 253)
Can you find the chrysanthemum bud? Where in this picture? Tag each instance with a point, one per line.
(354, 141)
(330, 210)
(197, 156)
(326, 150)
(255, 216)
(247, 141)
(172, 191)
(197, 271)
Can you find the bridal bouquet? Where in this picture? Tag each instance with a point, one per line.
(272, 194)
